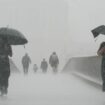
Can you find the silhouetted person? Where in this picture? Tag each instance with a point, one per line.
(54, 61)
(44, 66)
(101, 52)
(5, 52)
(25, 62)
(35, 68)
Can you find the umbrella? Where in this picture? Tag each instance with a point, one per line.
(98, 30)
(13, 36)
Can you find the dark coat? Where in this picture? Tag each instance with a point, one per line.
(44, 65)
(53, 60)
(26, 61)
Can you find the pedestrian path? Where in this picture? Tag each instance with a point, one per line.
(49, 89)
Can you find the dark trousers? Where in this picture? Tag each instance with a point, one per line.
(4, 76)
(44, 70)
(25, 69)
(103, 71)
(4, 71)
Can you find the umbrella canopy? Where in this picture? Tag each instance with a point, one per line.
(14, 37)
(98, 30)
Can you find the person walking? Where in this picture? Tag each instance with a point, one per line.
(54, 62)
(101, 51)
(25, 62)
(5, 52)
(35, 68)
(44, 66)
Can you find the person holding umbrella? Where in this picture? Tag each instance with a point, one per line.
(5, 52)
(101, 51)
(8, 37)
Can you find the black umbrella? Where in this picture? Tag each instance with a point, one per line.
(13, 36)
(98, 30)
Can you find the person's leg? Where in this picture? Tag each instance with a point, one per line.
(44, 70)
(35, 70)
(55, 68)
(5, 82)
(26, 70)
(1, 82)
(103, 72)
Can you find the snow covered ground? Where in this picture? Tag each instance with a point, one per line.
(49, 89)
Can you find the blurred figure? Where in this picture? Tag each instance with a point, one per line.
(25, 62)
(101, 52)
(44, 66)
(35, 68)
(5, 52)
(54, 61)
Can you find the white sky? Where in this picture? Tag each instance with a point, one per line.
(63, 26)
